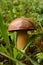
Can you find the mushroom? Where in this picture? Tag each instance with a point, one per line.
(21, 25)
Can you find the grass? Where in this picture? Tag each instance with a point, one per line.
(12, 52)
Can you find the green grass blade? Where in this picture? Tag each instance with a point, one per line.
(28, 58)
(15, 38)
(31, 39)
(4, 32)
(3, 54)
(15, 45)
(4, 50)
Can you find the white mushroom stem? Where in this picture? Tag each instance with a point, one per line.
(21, 39)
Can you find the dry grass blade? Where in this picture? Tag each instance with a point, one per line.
(3, 54)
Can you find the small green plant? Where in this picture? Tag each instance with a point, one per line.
(39, 57)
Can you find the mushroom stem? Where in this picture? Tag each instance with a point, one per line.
(21, 39)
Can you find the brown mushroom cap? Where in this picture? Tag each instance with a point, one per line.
(21, 24)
